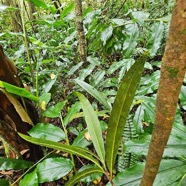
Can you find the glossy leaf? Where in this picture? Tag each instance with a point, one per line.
(52, 169)
(22, 92)
(94, 92)
(156, 36)
(93, 126)
(30, 179)
(140, 16)
(120, 110)
(80, 175)
(62, 147)
(132, 34)
(54, 111)
(67, 10)
(47, 131)
(39, 3)
(16, 164)
(106, 34)
(170, 171)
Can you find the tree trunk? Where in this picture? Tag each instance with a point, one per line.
(11, 121)
(80, 31)
(172, 74)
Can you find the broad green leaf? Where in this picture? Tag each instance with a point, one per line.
(140, 16)
(121, 108)
(93, 60)
(39, 3)
(4, 182)
(30, 179)
(156, 36)
(22, 92)
(37, 42)
(75, 68)
(80, 175)
(54, 111)
(67, 10)
(86, 72)
(95, 93)
(73, 110)
(119, 22)
(47, 131)
(169, 172)
(132, 34)
(16, 164)
(52, 169)
(44, 100)
(106, 34)
(62, 147)
(93, 126)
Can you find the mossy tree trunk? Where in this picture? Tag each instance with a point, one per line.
(172, 74)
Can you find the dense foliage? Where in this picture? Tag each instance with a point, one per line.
(125, 40)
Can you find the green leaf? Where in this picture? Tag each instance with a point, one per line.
(67, 10)
(52, 169)
(132, 34)
(80, 175)
(30, 179)
(54, 111)
(39, 3)
(47, 131)
(156, 36)
(16, 164)
(62, 147)
(93, 126)
(106, 34)
(140, 16)
(4, 182)
(94, 92)
(169, 172)
(121, 108)
(22, 92)
(73, 110)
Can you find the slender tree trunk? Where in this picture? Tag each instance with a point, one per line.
(172, 74)
(80, 31)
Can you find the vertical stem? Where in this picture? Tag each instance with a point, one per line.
(26, 43)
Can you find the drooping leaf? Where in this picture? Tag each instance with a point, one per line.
(22, 92)
(121, 108)
(52, 169)
(106, 34)
(30, 179)
(156, 36)
(140, 16)
(95, 93)
(62, 147)
(47, 131)
(54, 111)
(93, 126)
(16, 164)
(132, 34)
(80, 175)
(67, 10)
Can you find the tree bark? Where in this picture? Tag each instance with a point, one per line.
(172, 74)
(80, 31)
(10, 120)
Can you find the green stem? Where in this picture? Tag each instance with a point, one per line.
(26, 43)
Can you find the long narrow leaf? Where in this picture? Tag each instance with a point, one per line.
(94, 92)
(80, 175)
(93, 126)
(121, 109)
(62, 147)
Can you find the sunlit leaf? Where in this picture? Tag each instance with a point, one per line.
(67, 10)
(106, 34)
(39, 3)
